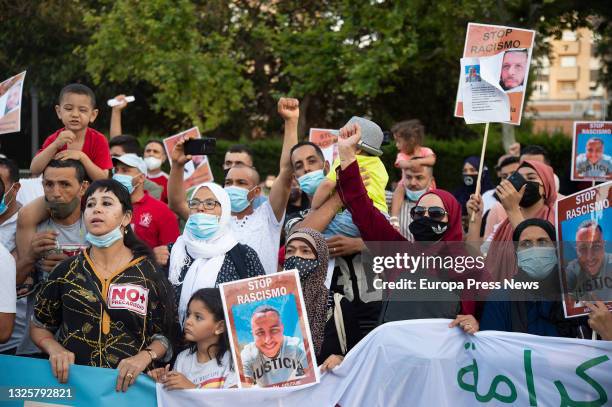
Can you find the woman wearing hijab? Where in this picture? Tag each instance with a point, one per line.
(469, 178)
(435, 218)
(536, 199)
(207, 253)
(332, 324)
(537, 311)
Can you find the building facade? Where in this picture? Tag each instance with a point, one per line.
(565, 88)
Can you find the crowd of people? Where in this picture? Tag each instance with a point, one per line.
(108, 261)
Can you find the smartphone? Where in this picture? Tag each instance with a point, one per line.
(200, 146)
(517, 181)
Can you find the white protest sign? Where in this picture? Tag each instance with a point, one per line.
(11, 93)
(425, 363)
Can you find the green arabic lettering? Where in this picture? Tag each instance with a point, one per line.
(533, 401)
(566, 400)
(492, 393)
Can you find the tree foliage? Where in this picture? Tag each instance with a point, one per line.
(221, 64)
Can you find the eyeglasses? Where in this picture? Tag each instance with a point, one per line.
(209, 204)
(434, 213)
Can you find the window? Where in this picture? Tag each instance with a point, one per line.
(541, 88)
(568, 62)
(568, 36)
(567, 86)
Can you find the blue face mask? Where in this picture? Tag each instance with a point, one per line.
(107, 239)
(125, 180)
(415, 195)
(309, 182)
(3, 204)
(537, 262)
(238, 198)
(202, 226)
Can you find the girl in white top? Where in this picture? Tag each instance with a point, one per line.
(207, 363)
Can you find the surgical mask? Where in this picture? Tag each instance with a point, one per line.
(304, 266)
(238, 198)
(152, 163)
(125, 180)
(531, 195)
(537, 262)
(61, 210)
(427, 230)
(414, 196)
(107, 239)
(3, 204)
(202, 226)
(309, 182)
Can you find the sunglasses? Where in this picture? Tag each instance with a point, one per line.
(434, 213)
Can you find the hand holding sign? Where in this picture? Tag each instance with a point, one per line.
(600, 319)
(474, 205)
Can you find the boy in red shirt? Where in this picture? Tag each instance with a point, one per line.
(76, 141)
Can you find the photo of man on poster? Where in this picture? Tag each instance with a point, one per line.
(272, 358)
(589, 276)
(513, 71)
(594, 162)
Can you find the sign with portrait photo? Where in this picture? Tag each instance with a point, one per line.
(269, 332)
(584, 233)
(494, 72)
(327, 140)
(11, 92)
(592, 151)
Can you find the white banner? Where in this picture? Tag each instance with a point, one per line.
(424, 363)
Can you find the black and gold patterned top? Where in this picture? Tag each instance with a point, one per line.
(68, 306)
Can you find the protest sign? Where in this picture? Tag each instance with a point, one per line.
(269, 331)
(592, 151)
(11, 92)
(198, 169)
(28, 382)
(425, 363)
(327, 140)
(494, 72)
(584, 232)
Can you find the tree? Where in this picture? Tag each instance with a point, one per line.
(193, 68)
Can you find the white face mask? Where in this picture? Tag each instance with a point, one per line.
(152, 163)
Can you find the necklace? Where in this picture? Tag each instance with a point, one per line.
(105, 269)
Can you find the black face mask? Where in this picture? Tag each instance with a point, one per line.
(531, 194)
(305, 266)
(470, 180)
(427, 230)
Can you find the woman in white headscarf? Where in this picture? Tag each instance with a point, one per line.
(207, 253)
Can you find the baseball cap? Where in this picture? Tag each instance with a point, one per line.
(371, 135)
(132, 160)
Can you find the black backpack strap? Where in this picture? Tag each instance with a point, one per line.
(237, 255)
